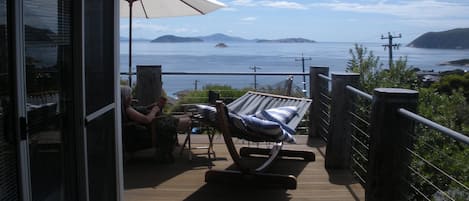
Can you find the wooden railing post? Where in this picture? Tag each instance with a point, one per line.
(339, 140)
(388, 160)
(149, 84)
(314, 91)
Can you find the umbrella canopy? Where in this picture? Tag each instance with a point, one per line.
(168, 8)
(163, 8)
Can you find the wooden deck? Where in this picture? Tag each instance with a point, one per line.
(146, 180)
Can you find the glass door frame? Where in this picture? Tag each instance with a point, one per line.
(115, 106)
(19, 95)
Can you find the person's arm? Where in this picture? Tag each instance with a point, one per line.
(149, 107)
(141, 118)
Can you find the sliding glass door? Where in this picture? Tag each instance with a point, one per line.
(48, 59)
(9, 178)
(103, 139)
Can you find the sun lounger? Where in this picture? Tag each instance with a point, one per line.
(258, 117)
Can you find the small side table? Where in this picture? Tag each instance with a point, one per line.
(196, 120)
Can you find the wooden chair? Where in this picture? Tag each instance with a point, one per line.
(254, 102)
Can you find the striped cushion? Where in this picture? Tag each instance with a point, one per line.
(269, 129)
(255, 128)
(208, 113)
(281, 115)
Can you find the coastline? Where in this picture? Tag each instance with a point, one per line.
(459, 62)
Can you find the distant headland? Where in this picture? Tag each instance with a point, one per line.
(451, 39)
(222, 38)
(175, 39)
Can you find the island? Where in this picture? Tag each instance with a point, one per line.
(225, 38)
(286, 40)
(175, 39)
(221, 45)
(451, 39)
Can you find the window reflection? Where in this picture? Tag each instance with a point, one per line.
(47, 56)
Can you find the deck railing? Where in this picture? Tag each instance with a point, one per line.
(436, 170)
(394, 153)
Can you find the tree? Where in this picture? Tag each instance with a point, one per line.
(451, 82)
(366, 64)
(372, 75)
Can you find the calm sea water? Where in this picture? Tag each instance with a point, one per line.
(269, 57)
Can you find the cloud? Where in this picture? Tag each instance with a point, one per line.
(229, 9)
(249, 19)
(412, 9)
(284, 4)
(272, 4)
(243, 3)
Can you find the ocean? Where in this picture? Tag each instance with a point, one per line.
(268, 57)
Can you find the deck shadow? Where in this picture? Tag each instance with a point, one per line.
(233, 192)
(316, 142)
(239, 190)
(143, 170)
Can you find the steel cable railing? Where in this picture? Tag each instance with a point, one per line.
(359, 120)
(438, 168)
(325, 106)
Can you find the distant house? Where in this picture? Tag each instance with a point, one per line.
(428, 77)
(59, 112)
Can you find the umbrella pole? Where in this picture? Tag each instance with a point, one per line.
(130, 41)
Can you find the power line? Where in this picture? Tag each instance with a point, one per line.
(254, 68)
(303, 59)
(390, 45)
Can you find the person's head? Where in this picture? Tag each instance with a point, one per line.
(126, 95)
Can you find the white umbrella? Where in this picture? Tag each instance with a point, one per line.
(163, 8)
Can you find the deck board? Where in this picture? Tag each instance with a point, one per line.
(145, 179)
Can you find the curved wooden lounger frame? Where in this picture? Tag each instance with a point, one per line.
(245, 174)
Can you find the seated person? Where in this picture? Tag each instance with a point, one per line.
(147, 127)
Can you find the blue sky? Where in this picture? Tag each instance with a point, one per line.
(326, 21)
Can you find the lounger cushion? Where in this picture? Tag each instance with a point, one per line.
(208, 113)
(261, 125)
(281, 115)
(253, 128)
(272, 131)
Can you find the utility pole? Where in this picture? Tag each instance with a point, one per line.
(195, 84)
(390, 45)
(254, 68)
(303, 59)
